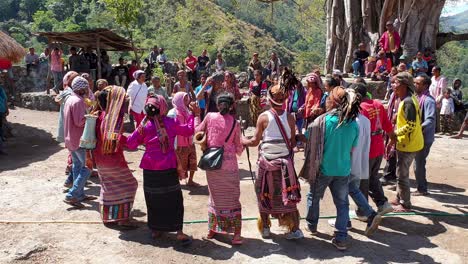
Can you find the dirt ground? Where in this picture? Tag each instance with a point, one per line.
(31, 179)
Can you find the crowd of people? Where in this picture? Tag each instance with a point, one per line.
(328, 119)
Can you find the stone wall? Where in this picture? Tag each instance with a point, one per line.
(38, 101)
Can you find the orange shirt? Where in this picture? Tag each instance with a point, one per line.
(312, 101)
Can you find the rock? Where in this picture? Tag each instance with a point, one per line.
(39, 101)
(25, 249)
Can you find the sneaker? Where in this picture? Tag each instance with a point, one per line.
(331, 222)
(294, 235)
(340, 245)
(386, 182)
(312, 230)
(385, 209)
(360, 217)
(373, 223)
(266, 233)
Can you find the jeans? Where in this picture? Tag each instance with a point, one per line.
(339, 189)
(372, 187)
(358, 68)
(404, 160)
(420, 167)
(58, 80)
(80, 174)
(358, 197)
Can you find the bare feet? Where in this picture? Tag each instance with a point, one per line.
(457, 137)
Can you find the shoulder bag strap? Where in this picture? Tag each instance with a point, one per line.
(230, 132)
(282, 130)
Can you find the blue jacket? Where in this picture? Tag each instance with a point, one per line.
(428, 119)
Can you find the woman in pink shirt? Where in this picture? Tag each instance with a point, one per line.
(224, 210)
(163, 195)
(185, 151)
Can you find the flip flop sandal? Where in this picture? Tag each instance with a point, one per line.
(75, 204)
(237, 241)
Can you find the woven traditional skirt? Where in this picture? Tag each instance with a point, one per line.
(164, 200)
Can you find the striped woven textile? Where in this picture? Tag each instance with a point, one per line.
(118, 189)
(224, 209)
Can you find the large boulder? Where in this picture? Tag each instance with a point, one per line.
(242, 80)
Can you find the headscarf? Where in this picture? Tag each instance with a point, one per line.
(178, 101)
(112, 125)
(79, 83)
(67, 77)
(160, 103)
(137, 74)
(407, 79)
(315, 78)
(334, 98)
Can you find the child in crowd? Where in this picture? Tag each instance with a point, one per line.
(446, 111)
(185, 149)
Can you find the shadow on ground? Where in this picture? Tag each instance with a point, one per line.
(29, 145)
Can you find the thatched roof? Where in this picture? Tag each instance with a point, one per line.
(10, 49)
(108, 40)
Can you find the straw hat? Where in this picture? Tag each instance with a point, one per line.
(10, 49)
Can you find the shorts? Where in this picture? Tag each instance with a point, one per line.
(186, 158)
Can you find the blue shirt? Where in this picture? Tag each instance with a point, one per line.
(339, 142)
(418, 65)
(3, 98)
(201, 103)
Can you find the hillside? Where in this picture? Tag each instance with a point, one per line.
(456, 23)
(175, 25)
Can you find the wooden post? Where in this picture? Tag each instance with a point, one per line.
(98, 51)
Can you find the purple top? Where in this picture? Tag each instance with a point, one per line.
(154, 158)
(300, 100)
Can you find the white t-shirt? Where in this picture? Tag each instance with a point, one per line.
(448, 107)
(360, 154)
(437, 86)
(138, 94)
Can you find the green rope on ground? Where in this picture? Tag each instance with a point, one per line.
(243, 219)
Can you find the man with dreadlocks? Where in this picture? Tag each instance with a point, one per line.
(277, 185)
(332, 137)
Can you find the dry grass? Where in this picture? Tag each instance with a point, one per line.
(11, 49)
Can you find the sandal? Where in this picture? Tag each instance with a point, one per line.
(237, 240)
(186, 241)
(74, 202)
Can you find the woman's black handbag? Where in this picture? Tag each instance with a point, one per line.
(212, 158)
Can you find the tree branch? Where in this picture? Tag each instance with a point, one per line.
(444, 37)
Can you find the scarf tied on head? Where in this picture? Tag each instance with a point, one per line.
(159, 103)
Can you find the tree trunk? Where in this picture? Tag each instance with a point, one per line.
(352, 21)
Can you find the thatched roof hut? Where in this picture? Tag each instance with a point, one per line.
(11, 49)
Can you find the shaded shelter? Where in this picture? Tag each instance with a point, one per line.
(95, 39)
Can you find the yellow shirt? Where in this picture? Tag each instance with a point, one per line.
(391, 41)
(409, 132)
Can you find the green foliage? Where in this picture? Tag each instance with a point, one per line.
(125, 11)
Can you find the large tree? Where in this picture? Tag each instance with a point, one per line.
(350, 22)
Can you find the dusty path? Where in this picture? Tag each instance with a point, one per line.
(32, 174)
